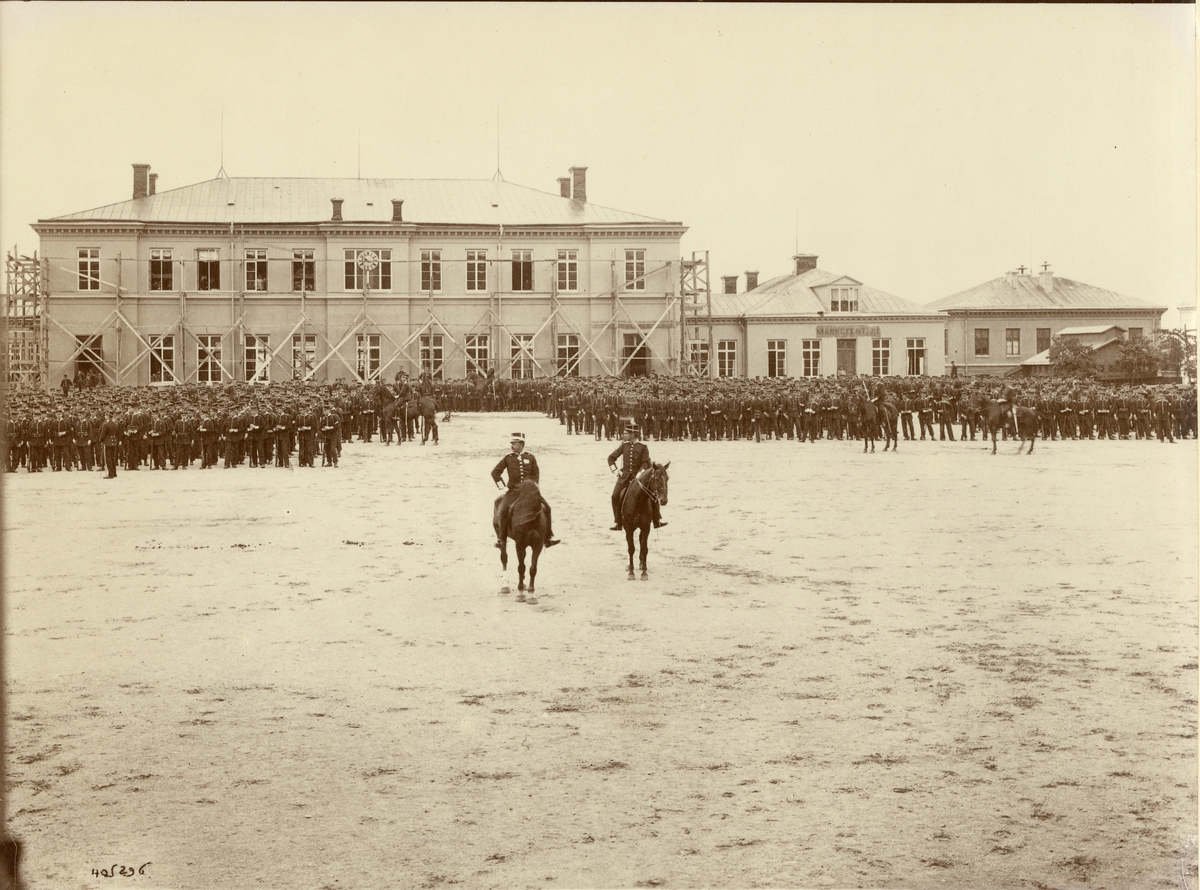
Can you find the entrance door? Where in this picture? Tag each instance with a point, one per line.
(636, 356)
(847, 350)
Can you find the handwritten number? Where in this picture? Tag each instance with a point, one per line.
(124, 871)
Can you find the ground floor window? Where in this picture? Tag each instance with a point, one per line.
(810, 358)
(566, 358)
(916, 356)
(1043, 339)
(522, 356)
(982, 341)
(208, 358)
(367, 357)
(1012, 341)
(258, 359)
(881, 357)
(89, 361)
(478, 354)
(698, 357)
(162, 359)
(726, 358)
(777, 358)
(432, 355)
(304, 356)
(635, 356)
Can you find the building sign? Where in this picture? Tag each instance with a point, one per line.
(847, 330)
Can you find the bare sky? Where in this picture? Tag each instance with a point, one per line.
(921, 149)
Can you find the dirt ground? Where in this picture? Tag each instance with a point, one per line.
(937, 668)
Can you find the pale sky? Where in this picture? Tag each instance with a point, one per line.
(921, 149)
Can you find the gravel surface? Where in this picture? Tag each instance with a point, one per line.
(937, 668)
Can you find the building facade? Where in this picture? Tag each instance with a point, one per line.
(993, 328)
(814, 323)
(260, 279)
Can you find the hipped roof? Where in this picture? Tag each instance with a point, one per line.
(1026, 292)
(792, 295)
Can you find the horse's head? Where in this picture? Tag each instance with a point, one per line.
(658, 481)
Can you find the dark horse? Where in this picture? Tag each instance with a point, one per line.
(637, 509)
(995, 415)
(872, 418)
(397, 415)
(529, 527)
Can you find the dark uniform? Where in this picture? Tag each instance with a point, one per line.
(634, 457)
(521, 466)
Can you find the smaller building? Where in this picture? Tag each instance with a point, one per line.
(814, 323)
(1105, 341)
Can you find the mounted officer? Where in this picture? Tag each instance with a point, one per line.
(635, 457)
(521, 466)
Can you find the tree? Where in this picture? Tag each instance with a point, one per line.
(1138, 358)
(1179, 351)
(1070, 357)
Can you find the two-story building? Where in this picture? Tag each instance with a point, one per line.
(814, 323)
(994, 327)
(259, 279)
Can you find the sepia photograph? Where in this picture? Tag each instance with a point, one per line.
(856, 344)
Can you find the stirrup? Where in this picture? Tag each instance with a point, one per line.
(660, 524)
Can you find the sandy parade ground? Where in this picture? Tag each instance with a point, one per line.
(937, 668)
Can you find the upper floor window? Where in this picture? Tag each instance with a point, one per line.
(843, 299)
(366, 268)
(568, 270)
(635, 270)
(476, 270)
(304, 270)
(522, 270)
(160, 269)
(208, 269)
(256, 268)
(89, 268)
(431, 270)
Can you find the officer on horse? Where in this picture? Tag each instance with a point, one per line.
(520, 466)
(635, 457)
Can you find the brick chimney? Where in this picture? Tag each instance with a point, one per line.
(397, 210)
(564, 186)
(730, 283)
(751, 279)
(579, 183)
(805, 262)
(1011, 276)
(141, 180)
(153, 182)
(337, 209)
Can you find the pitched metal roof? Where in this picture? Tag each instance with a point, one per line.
(1043, 357)
(1026, 292)
(291, 200)
(796, 295)
(1094, 329)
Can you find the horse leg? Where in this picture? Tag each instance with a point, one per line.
(993, 440)
(644, 541)
(535, 550)
(629, 543)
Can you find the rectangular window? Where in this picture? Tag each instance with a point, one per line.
(368, 354)
(258, 359)
(568, 270)
(431, 355)
(1012, 341)
(635, 270)
(304, 356)
(881, 357)
(476, 270)
(698, 356)
(208, 269)
(208, 358)
(843, 299)
(371, 269)
(162, 358)
(1135, 333)
(777, 358)
(522, 356)
(982, 346)
(1043, 339)
(256, 269)
(431, 270)
(566, 357)
(89, 268)
(160, 269)
(304, 271)
(916, 356)
(522, 270)
(91, 359)
(478, 358)
(810, 358)
(727, 358)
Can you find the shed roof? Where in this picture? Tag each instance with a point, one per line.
(295, 200)
(1043, 357)
(1026, 292)
(797, 295)
(1095, 329)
